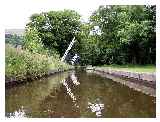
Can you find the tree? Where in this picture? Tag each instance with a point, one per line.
(127, 33)
(14, 40)
(33, 41)
(56, 28)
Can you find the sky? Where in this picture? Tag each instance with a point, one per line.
(16, 13)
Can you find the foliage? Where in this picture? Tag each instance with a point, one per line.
(89, 46)
(55, 63)
(56, 28)
(23, 64)
(15, 40)
(125, 34)
(32, 41)
(15, 66)
(114, 35)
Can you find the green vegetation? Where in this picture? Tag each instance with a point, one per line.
(22, 64)
(114, 35)
(56, 28)
(120, 35)
(133, 68)
(33, 60)
(14, 39)
(33, 41)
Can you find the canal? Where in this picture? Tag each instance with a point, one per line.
(77, 94)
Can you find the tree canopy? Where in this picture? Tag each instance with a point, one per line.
(126, 34)
(114, 34)
(56, 28)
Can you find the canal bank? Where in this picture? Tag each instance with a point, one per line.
(77, 94)
(22, 65)
(12, 81)
(144, 82)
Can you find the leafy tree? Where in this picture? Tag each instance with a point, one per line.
(114, 34)
(33, 41)
(91, 45)
(14, 40)
(127, 33)
(56, 28)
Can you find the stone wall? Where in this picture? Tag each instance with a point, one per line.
(139, 76)
(143, 82)
(149, 77)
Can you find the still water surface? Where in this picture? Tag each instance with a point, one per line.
(77, 94)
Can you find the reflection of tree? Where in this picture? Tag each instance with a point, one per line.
(74, 79)
(62, 102)
(30, 95)
(69, 90)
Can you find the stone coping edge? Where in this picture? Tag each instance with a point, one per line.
(149, 77)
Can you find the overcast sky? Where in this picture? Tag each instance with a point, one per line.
(16, 13)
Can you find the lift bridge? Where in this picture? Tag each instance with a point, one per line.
(67, 51)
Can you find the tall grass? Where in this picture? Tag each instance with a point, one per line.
(22, 64)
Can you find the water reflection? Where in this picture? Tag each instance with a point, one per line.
(96, 107)
(74, 78)
(68, 90)
(18, 113)
(78, 95)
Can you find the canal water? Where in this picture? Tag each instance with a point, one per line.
(77, 94)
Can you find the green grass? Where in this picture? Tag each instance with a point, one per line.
(133, 68)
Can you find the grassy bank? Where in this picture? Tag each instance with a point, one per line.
(133, 68)
(22, 64)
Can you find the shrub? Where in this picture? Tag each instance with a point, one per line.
(15, 67)
(23, 64)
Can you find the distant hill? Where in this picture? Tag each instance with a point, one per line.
(15, 31)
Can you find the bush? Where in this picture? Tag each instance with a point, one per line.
(33, 42)
(55, 63)
(22, 64)
(15, 67)
(37, 64)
